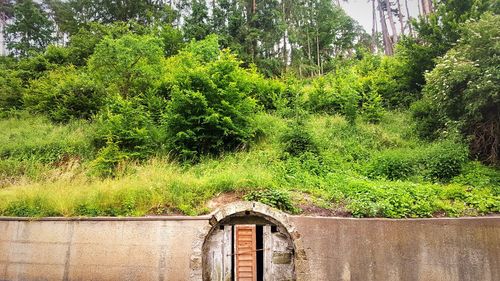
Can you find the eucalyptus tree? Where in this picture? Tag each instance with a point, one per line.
(30, 29)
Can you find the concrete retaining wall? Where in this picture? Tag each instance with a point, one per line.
(386, 250)
(97, 250)
(336, 249)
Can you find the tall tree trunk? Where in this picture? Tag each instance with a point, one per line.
(427, 7)
(401, 21)
(408, 20)
(309, 47)
(391, 21)
(374, 27)
(388, 47)
(285, 54)
(317, 51)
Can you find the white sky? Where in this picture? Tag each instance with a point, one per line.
(361, 11)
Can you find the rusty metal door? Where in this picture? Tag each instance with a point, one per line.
(245, 254)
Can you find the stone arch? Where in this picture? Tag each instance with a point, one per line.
(258, 209)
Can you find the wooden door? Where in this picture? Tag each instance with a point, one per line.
(278, 255)
(245, 253)
(218, 258)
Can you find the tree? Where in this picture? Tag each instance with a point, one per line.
(437, 33)
(427, 7)
(134, 63)
(196, 23)
(210, 108)
(6, 12)
(72, 15)
(388, 44)
(30, 31)
(464, 88)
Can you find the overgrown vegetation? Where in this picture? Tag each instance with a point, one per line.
(135, 117)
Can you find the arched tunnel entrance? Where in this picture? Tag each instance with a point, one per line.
(250, 243)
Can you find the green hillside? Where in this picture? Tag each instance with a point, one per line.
(161, 110)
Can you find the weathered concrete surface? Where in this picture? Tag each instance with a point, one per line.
(335, 249)
(97, 250)
(385, 250)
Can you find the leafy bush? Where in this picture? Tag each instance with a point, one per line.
(267, 92)
(210, 110)
(439, 162)
(475, 174)
(11, 89)
(372, 108)
(389, 80)
(133, 63)
(128, 125)
(34, 67)
(107, 160)
(444, 160)
(57, 55)
(464, 88)
(336, 93)
(393, 165)
(273, 197)
(383, 199)
(428, 121)
(64, 94)
(298, 140)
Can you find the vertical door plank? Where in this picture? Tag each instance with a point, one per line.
(246, 256)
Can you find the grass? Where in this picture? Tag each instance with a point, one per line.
(45, 171)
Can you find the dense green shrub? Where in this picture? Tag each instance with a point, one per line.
(267, 92)
(11, 89)
(127, 124)
(429, 123)
(402, 200)
(132, 63)
(337, 93)
(210, 110)
(372, 107)
(273, 197)
(33, 67)
(172, 40)
(107, 160)
(436, 34)
(292, 99)
(297, 140)
(393, 165)
(475, 174)
(389, 80)
(464, 88)
(57, 55)
(64, 94)
(439, 162)
(444, 160)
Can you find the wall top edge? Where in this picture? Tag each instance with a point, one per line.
(150, 218)
(478, 218)
(208, 217)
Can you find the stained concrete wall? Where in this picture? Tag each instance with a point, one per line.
(336, 249)
(386, 250)
(97, 250)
